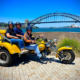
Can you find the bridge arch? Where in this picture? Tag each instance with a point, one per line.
(74, 18)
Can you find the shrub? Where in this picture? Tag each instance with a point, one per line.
(75, 44)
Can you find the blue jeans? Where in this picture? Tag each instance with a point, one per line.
(19, 41)
(35, 48)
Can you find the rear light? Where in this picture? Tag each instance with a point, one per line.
(48, 48)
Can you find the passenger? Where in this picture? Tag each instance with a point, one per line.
(13, 38)
(18, 30)
(29, 41)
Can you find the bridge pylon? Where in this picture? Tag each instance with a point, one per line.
(26, 22)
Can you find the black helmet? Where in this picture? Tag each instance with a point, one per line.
(18, 23)
(29, 28)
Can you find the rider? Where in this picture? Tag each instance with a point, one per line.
(18, 31)
(13, 38)
(29, 41)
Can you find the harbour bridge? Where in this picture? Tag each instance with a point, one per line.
(55, 18)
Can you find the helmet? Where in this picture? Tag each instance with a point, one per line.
(18, 23)
(10, 23)
(29, 28)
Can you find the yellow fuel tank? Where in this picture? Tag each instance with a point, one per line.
(41, 46)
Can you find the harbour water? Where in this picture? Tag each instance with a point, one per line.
(55, 30)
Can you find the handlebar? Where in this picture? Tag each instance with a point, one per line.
(45, 39)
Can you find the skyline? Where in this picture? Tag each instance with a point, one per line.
(19, 10)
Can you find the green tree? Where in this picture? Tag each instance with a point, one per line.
(5, 25)
(23, 27)
(35, 27)
(0, 24)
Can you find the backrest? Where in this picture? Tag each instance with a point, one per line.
(3, 33)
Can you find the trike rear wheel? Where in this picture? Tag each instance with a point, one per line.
(5, 57)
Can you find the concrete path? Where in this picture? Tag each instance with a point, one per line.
(31, 68)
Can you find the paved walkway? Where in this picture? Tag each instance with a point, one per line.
(32, 69)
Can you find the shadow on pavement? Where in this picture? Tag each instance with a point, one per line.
(25, 60)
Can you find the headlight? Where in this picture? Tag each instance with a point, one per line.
(55, 40)
(50, 41)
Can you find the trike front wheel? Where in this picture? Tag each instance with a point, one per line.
(68, 55)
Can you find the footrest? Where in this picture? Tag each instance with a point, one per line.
(23, 52)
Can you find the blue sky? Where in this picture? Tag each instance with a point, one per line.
(19, 10)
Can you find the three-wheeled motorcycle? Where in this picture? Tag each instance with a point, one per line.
(8, 50)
